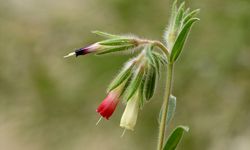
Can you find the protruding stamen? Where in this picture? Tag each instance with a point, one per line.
(123, 132)
(98, 121)
(70, 54)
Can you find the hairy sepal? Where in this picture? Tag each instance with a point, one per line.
(134, 83)
(123, 75)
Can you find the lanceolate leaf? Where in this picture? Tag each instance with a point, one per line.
(122, 76)
(173, 14)
(106, 35)
(150, 83)
(179, 16)
(179, 43)
(175, 138)
(171, 110)
(190, 15)
(134, 83)
(186, 11)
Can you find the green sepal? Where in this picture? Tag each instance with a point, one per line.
(161, 58)
(150, 82)
(141, 91)
(106, 35)
(149, 54)
(175, 138)
(122, 76)
(157, 66)
(134, 83)
(152, 59)
(180, 41)
(117, 42)
(112, 49)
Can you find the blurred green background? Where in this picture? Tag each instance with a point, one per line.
(48, 103)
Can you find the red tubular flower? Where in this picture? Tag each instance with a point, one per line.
(108, 105)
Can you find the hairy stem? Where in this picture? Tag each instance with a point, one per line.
(162, 47)
(162, 127)
(156, 43)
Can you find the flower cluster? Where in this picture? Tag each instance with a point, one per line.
(136, 82)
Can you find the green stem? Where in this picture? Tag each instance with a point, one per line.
(156, 43)
(162, 127)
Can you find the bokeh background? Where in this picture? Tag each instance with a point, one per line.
(48, 103)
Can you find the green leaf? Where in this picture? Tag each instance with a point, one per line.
(180, 41)
(173, 14)
(175, 138)
(169, 35)
(179, 16)
(171, 110)
(106, 35)
(134, 83)
(112, 49)
(122, 76)
(150, 83)
(186, 11)
(190, 15)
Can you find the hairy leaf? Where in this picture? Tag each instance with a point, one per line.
(180, 41)
(179, 16)
(175, 138)
(190, 15)
(170, 111)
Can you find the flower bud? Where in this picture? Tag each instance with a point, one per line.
(130, 114)
(85, 50)
(92, 48)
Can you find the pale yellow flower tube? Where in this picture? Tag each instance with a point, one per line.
(130, 114)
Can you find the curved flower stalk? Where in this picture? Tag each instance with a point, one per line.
(136, 82)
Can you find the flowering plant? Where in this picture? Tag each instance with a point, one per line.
(136, 82)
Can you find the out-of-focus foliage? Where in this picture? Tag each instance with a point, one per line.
(48, 103)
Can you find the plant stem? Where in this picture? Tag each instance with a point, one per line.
(162, 127)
